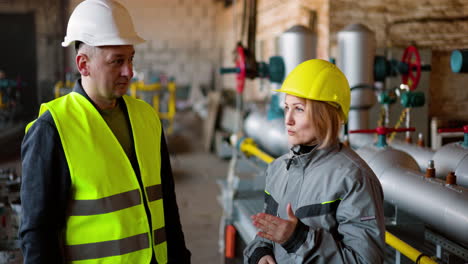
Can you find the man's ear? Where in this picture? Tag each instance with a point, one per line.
(82, 63)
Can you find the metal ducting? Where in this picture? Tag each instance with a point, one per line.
(356, 52)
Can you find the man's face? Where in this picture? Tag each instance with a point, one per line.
(111, 70)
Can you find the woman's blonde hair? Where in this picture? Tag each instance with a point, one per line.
(326, 119)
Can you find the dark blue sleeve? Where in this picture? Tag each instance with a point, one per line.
(44, 193)
(177, 251)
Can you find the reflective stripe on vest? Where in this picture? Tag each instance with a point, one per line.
(107, 220)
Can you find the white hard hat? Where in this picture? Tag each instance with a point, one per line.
(101, 23)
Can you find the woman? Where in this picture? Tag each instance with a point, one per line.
(323, 204)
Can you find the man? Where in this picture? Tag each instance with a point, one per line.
(97, 181)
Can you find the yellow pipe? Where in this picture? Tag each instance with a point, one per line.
(133, 88)
(2, 105)
(171, 105)
(57, 87)
(248, 147)
(156, 104)
(148, 87)
(406, 249)
(172, 98)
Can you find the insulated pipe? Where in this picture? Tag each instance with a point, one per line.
(421, 155)
(441, 206)
(270, 135)
(452, 157)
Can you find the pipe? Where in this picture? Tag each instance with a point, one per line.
(421, 155)
(391, 240)
(273, 140)
(407, 250)
(439, 205)
(452, 157)
(249, 147)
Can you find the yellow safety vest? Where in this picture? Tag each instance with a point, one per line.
(107, 222)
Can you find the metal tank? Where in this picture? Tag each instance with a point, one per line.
(441, 206)
(452, 157)
(356, 52)
(296, 45)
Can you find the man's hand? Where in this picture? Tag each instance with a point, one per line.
(267, 260)
(274, 228)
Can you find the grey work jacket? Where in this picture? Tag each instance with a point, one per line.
(339, 203)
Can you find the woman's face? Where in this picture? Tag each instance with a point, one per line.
(297, 120)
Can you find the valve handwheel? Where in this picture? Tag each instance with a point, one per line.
(240, 64)
(413, 60)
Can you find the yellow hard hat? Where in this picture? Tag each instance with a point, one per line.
(319, 80)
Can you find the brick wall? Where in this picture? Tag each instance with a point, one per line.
(273, 18)
(449, 93)
(190, 39)
(436, 25)
(440, 26)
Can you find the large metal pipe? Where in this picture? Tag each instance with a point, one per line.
(356, 52)
(421, 155)
(440, 206)
(452, 157)
(269, 134)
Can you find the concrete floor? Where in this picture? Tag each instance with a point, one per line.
(195, 173)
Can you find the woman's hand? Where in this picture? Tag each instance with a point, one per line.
(274, 228)
(267, 260)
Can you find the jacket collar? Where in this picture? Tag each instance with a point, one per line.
(299, 156)
(78, 88)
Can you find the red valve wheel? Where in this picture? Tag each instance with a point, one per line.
(413, 60)
(240, 63)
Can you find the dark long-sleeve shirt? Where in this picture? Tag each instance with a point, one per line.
(45, 194)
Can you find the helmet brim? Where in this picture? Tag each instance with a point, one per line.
(109, 42)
